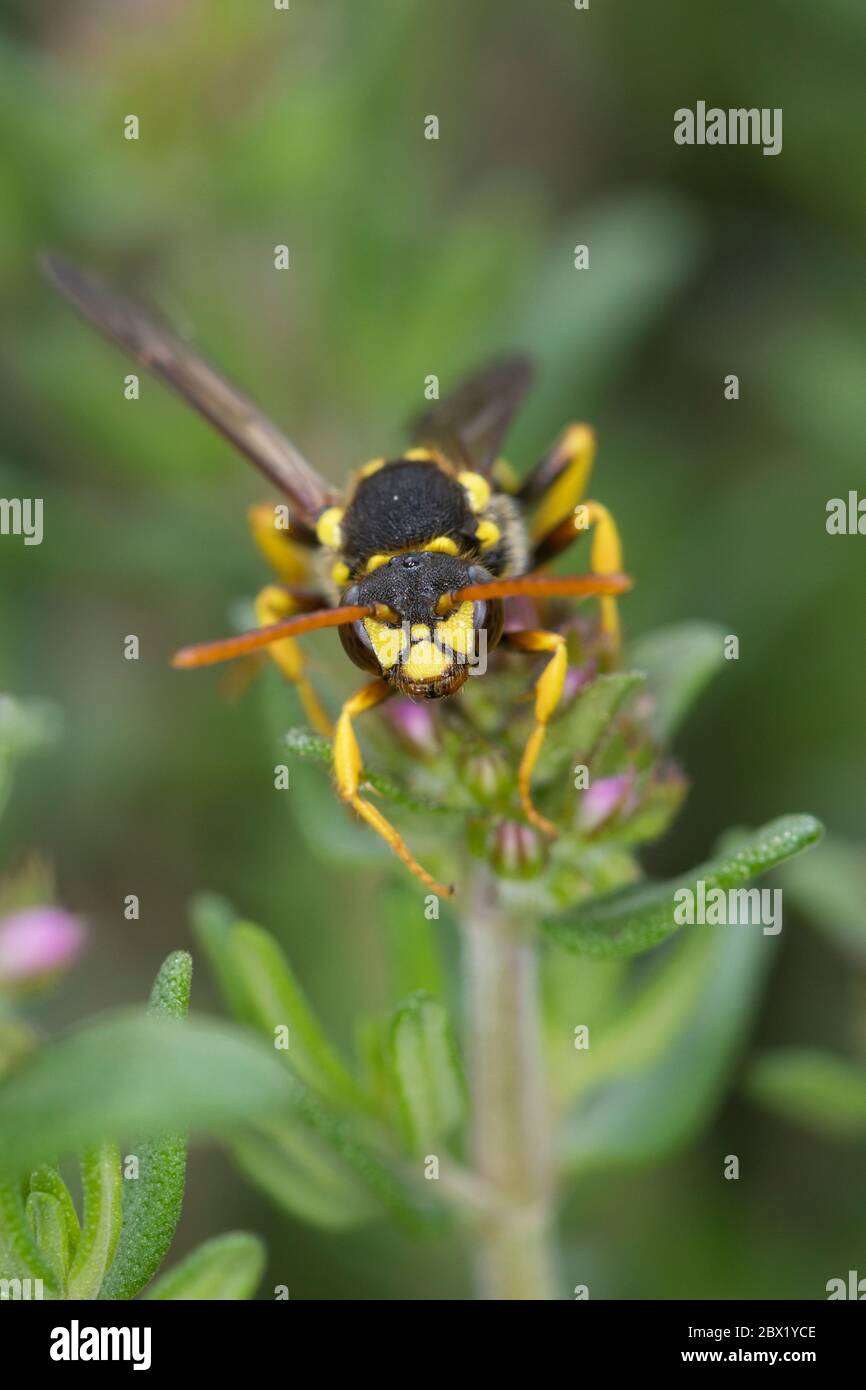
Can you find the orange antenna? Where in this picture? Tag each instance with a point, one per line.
(226, 649)
(546, 586)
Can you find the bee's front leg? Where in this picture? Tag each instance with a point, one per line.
(548, 692)
(348, 769)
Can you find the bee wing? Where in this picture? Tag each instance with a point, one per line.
(180, 367)
(470, 424)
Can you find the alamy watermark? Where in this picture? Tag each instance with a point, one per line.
(716, 907)
(22, 516)
(736, 126)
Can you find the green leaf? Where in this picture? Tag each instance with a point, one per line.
(639, 917)
(426, 1072)
(47, 1180)
(152, 1200)
(229, 1267)
(679, 662)
(101, 1186)
(359, 1150)
(48, 1222)
(301, 1174)
(816, 1090)
(20, 1256)
(830, 888)
(126, 1074)
(635, 1119)
(576, 735)
(276, 1000)
(212, 920)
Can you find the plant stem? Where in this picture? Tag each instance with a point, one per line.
(511, 1126)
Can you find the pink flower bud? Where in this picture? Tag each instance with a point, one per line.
(36, 942)
(414, 722)
(602, 800)
(516, 850)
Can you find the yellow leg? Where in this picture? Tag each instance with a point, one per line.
(605, 557)
(348, 767)
(287, 557)
(273, 604)
(548, 692)
(569, 466)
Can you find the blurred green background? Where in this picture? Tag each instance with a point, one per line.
(411, 257)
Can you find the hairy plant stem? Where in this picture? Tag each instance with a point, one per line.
(511, 1126)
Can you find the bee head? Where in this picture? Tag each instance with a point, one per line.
(424, 644)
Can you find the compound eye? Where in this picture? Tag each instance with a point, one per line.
(477, 574)
(358, 647)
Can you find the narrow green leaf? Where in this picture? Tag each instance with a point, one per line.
(48, 1223)
(100, 1228)
(302, 1175)
(639, 917)
(153, 1197)
(816, 1090)
(47, 1180)
(276, 1000)
(409, 1203)
(425, 1071)
(679, 661)
(227, 1268)
(212, 920)
(20, 1256)
(126, 1074)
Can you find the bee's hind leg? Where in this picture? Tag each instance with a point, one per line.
(556, 488)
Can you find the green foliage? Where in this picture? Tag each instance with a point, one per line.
(638, 918)
(659, 1101)
(126, 1229)
(100, 1227)
(425, 1072)
(812, 1089)
(153, 1197)
(229, 1267)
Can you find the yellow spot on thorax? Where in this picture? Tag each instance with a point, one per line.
(478, 489)
(328, 528)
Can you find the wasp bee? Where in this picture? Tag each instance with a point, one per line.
(415, 563)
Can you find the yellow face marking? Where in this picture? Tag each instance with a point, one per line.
(426, 661)
(328, 528)
(418, 630)
(389, 643)
(478, 489)
(341, 573)
(370, 468)
(458, 630)
(487, 533)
